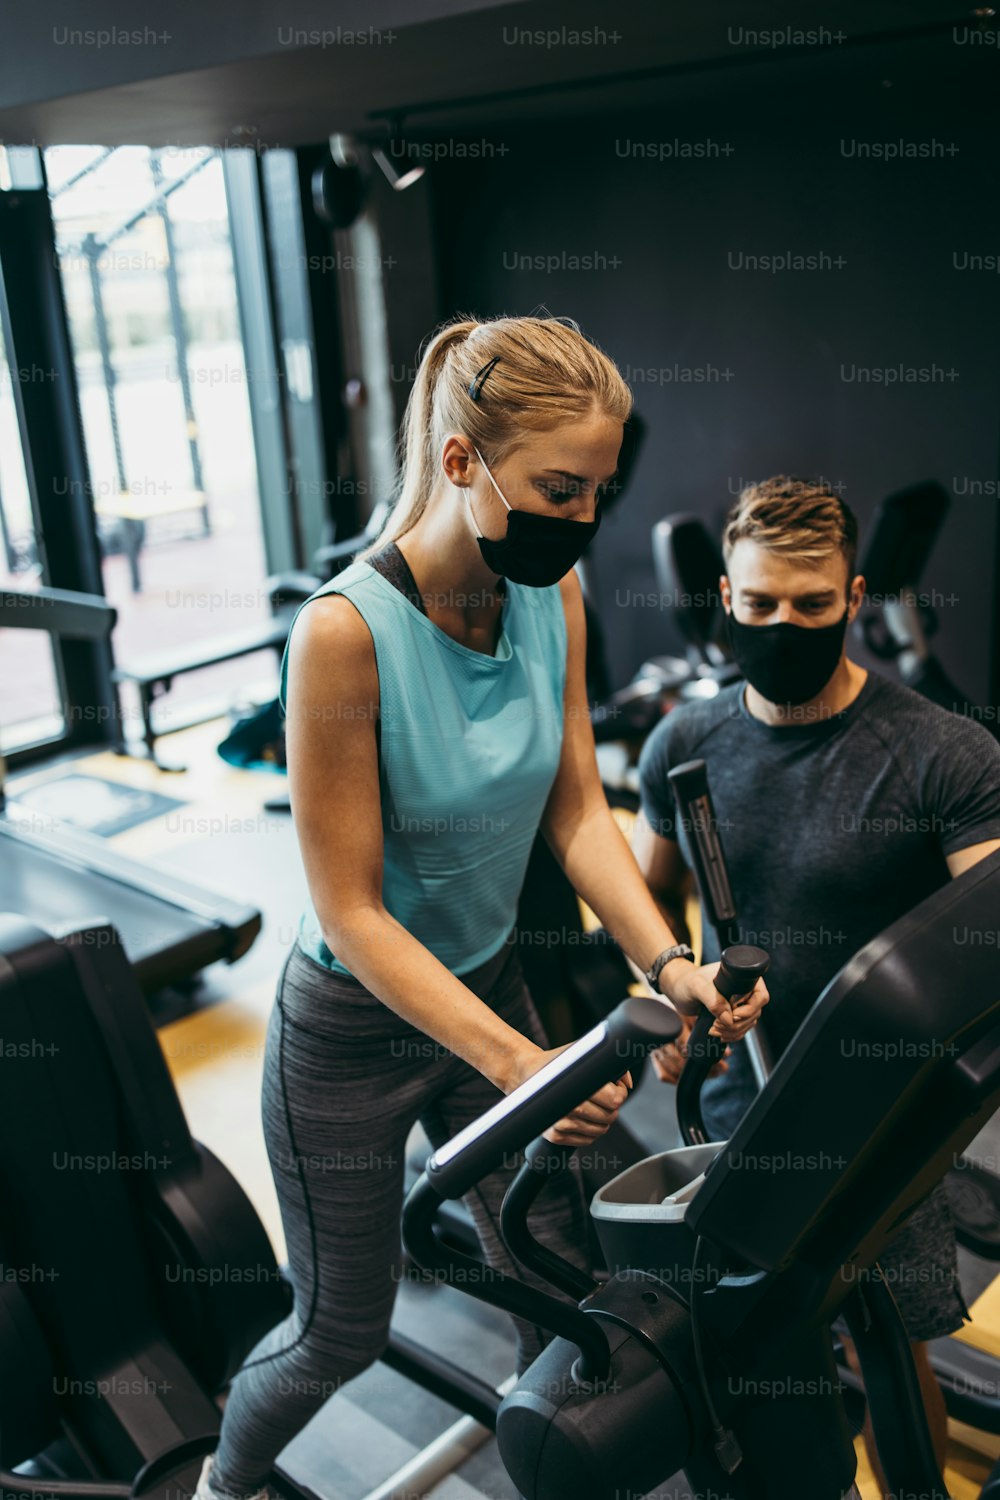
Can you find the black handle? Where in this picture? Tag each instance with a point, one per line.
(631, 1030)
(542, 1159)
(739, 971)
(621, 1040)
(489, 1284)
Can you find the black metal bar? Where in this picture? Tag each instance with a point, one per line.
(994, 657)
(240, 170)
(434, 1373)
(152, 204)
(625, 1036)
(740, 966)
(76, 177)
(487, 1284)
(893, 1389)
(62, 612)
(48, 410)
(703, 1052)
(17, 1486)
(542, 1160)
(92, 248)
(694, 804)
(303, 287)
(10, 556)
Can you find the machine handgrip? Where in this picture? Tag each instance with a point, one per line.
(739, 970)
(632, 1029)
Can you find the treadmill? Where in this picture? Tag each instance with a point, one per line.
(63, 877)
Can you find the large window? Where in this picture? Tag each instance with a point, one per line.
(32, 700)
(146, 258)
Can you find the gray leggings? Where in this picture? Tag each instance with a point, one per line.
(357, 1079)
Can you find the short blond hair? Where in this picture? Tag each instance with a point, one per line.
(800, 518)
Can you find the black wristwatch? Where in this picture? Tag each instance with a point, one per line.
(679, 950)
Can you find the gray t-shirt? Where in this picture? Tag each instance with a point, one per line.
(831, 829)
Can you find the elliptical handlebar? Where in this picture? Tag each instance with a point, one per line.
(739, 970)
(694, 805)
(636, 1026)
(631, 1030)
(741, 965)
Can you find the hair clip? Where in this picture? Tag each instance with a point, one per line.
(479, 379)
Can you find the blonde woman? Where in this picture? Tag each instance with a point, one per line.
(436, 720)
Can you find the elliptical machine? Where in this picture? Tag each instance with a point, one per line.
(708, 1349)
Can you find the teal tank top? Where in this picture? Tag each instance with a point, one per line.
(470, 747)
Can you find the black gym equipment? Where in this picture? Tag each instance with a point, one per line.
(898, 621)
(63, 877)
(726, 1370)
(968, 1377)
(696, 814)
(135, 1275)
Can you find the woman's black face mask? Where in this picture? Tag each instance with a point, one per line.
(787, 663)
(536, 550)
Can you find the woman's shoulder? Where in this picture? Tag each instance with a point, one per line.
(332, 631)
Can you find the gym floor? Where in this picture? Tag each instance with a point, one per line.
(213, 1042)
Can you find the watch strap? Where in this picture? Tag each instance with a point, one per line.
(677, 950)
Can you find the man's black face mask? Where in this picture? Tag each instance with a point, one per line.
(787, 663)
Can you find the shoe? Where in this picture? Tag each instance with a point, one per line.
(205, 1490)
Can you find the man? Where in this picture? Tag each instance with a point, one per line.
(843, 800)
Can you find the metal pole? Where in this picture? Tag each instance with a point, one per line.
(180, 336)
(92, 248)
(36, 336)
(419, 1475)
(5, 534)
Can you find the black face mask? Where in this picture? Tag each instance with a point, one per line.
(787, 663)
(536, 550)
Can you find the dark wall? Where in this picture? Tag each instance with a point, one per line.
(741, 373)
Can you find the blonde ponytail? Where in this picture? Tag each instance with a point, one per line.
(546, 373)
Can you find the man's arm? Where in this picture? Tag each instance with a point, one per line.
(959, 781)
(964, 859)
